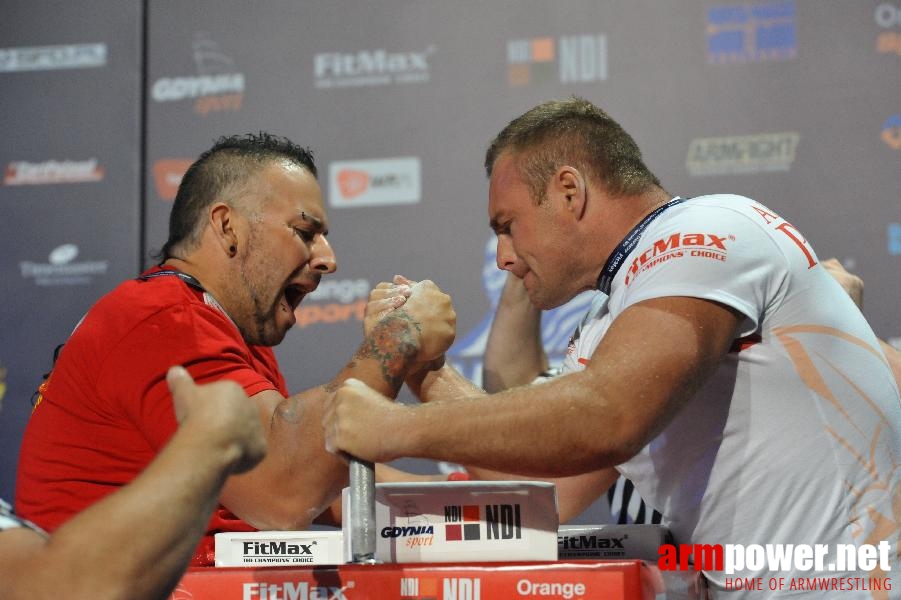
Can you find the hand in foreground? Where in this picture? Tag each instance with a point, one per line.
(221, 414)
(356, 422)
(850, 282)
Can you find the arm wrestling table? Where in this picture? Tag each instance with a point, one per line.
(365, 579)
(565, 580)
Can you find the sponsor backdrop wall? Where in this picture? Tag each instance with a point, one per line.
(795, 103)
(70, 227)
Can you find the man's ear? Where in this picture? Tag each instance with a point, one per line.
(222, 222)
(569, 184)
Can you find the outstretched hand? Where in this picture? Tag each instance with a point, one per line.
(357, 422)
(221, 414)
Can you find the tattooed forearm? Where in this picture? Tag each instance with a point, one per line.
(393, 342)
(332, 386)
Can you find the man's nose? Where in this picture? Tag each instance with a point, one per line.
(323, 260)
(506, 257)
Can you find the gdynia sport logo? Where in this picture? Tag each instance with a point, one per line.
(846, 567)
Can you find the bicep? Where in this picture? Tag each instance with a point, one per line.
(297, 479)
(655, 355)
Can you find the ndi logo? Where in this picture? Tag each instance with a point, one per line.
(502, 522)
(462, 588)
(418, 588)
(462, 523)
(568, 59)
(751, 32)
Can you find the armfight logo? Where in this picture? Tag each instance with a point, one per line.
(888, 19)
(218, 86)
(751, 32)
(61, 268)
(567, 59)
(334, 301)
(50, 58)
(731, 155)
(21, 172)
(369, 68)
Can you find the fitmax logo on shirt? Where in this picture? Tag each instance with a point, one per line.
(701, 245)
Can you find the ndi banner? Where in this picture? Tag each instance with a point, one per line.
(70, 82)
(792, 102)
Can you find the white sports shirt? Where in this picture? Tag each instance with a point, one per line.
(796, 439)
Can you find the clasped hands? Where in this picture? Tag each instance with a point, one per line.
(358, 418)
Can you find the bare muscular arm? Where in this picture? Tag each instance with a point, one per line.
(652, 359)
(299, 479)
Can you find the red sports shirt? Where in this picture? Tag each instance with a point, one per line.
(106, 410)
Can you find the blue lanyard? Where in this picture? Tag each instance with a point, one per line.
(615, 260)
